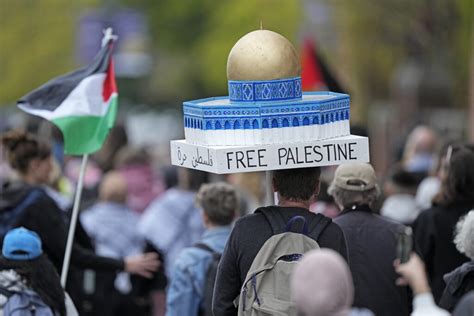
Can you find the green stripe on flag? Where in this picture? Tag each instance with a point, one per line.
(86, 134)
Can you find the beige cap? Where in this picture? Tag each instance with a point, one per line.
(355, 177)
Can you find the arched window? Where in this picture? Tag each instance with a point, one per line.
(246, 124)
(255, 124)
(337, 116)
(274, 123)
(332, 117)
(265, 124)
(305, 121)
(323, 119)
(226, 125)
(286, 123)
(208, 126)
(218, 125)
(296, 122)
(316, 120)
(236, 124)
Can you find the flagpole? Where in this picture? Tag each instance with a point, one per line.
(72, 225)
(108, 36)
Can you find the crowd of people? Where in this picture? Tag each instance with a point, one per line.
(158, 240)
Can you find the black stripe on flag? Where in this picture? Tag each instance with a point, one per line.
(51, 94)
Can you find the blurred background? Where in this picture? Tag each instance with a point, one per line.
(408, 66)
(403, 62)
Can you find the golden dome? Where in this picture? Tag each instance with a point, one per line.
(262, 55)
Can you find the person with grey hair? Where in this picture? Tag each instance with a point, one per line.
(187, 294)
(371, 241)
(321, 284)
(461, 280)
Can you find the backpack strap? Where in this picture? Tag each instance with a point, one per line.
(278, 223)
(275, 219)
(318, 225)
(204, 247)
(8, 220)
(5, 292)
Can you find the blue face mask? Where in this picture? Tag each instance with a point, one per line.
(422, 162)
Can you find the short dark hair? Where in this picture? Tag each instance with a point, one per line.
(298, 184)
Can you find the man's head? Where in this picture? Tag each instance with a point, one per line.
(218, 202)
(300, 185)
(354, 184)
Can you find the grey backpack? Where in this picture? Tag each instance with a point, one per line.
(24, 303)
(266, 289)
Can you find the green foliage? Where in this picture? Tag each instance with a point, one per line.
(36, 44)
(379, 36)
(195, 37)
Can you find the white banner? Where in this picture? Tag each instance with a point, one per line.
(233, 159)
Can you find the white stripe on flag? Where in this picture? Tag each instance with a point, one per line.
(85, 100)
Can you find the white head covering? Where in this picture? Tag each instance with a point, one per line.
(322, 284)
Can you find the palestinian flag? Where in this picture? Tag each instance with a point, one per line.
(315, 75)
(82, 104)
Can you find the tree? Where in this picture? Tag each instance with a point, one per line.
(36, 43)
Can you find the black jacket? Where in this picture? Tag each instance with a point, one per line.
(465, 306)
(247, 237)
(434, 234)
(371, 244)
(44, 217)
(458, 283)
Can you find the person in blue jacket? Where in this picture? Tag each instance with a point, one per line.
(187, 291)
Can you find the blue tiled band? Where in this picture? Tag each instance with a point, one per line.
(235, 123)
(269, 90)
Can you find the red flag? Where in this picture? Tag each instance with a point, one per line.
(314, 73)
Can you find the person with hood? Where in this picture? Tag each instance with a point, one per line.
(371, 241)
(322, 285)
(25, 203)
(24, 268)
(461, 280)
(434, 228)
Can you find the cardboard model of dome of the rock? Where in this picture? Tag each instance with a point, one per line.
(266, 122)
